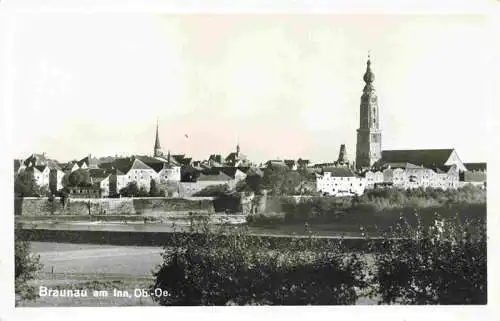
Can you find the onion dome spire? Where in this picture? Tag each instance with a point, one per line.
(369, 76)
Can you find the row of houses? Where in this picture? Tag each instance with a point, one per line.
(182, 176)
(185, 177)
(407, 169)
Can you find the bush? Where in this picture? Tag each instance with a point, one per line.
(314, 209)
(214, 191)
(383, 199)
(443, 264)
(222, 268)
(154, 190)
(133, 190)
(268, 219)
(25, 184)
(26, 267)
(80, 177)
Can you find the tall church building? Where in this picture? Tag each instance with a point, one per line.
(369, 140)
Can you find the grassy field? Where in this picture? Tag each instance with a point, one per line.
(99, 267)
(94, 267)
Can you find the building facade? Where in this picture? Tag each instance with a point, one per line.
(339, 182)
(410, 176)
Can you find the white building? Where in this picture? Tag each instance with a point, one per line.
(101, 177)
(339, 182)
(42, 175)
(117, 181)
(132, 170)
(170, 173)
(409, 176)
(56, 178)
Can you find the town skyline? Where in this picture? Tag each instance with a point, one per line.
(284, 87)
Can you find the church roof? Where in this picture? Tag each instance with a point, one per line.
(404, 165)
(430, 158)
(476, 166)
(339, 171)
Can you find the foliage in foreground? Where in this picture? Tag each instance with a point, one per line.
(235, 268)
(444, 264)
(26, 267)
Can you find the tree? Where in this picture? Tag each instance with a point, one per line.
(154, 190)
(214, 191)
(130, 190)
(80, 177)
(25, 184)
(254, 182)
(26, 267)
(442, 264)
(226, 266)
(281, 181)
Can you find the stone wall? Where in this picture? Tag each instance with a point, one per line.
(30, 206)
(262, 204)
(141, 238)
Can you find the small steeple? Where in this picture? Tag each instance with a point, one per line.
(157, 148)
(342, 155)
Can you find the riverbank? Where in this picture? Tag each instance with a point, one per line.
(102, 267)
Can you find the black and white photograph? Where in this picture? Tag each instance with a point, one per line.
(290, 159)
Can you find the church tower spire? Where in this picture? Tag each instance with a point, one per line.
(157, 148)
(369, 139)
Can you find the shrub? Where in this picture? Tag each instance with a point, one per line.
(25, 184)
(133, 190)
(80, 177)
(443, 264)
(214, 191)
(221, 267)
(26, 267)
(265, 219)
(382, 199)
(154, 190)
(314, 209)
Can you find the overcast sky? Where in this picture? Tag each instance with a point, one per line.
(283, 86)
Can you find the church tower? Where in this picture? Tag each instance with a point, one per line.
(157, 148)
(369, 140)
